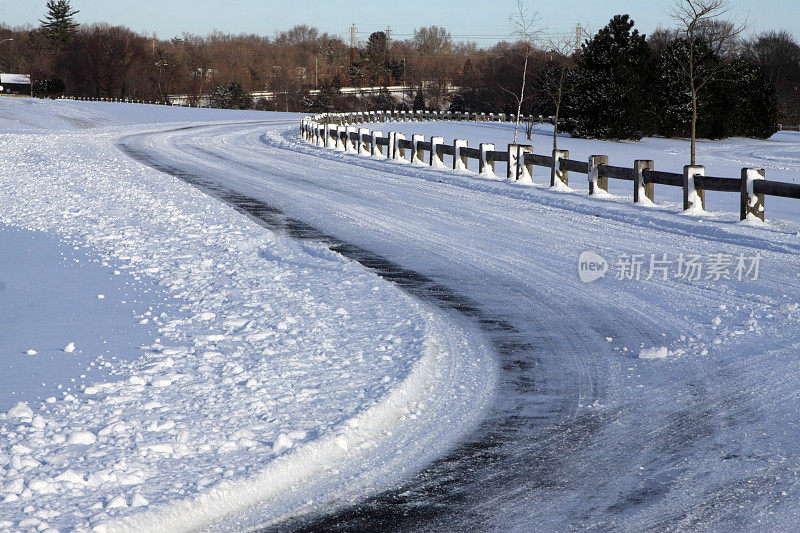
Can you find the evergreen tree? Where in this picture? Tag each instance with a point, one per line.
(607, 97)
(231, 96)
(757, 109)
(457, 104)
(670, 97)
(478, 101)
(741, 103)
(325, 99)
(419, 102)
(59, 26)
(48, 87)
(382, 100)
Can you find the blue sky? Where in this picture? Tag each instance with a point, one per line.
(472, 20)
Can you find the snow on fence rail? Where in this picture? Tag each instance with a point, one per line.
(337, 131)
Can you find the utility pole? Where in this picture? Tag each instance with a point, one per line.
(353, 30)
(387, 55)
(578, 37)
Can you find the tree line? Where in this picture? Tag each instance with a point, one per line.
(618, 72)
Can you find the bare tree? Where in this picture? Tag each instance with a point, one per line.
(523, 22)
(560, 61)
(431, 40)
(700, 22)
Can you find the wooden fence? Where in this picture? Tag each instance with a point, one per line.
(119, 100)
(337, 131)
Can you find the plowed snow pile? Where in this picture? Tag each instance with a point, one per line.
(278, 362)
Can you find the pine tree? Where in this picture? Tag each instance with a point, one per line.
(231, 96)
(757, 108)
(607, 99)
(419, 102)
(670, 97)
(59, 25)
(740, 103)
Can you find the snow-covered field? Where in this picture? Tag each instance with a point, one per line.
(278, 374)
(188, 362)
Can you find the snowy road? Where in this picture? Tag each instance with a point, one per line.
(582, 433)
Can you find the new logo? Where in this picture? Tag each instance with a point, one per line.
(591, 266)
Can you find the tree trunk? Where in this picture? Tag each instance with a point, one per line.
(521, 93)
(694, 93)
(694, 123)
(558, 109)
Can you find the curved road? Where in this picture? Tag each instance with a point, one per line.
(582, 434)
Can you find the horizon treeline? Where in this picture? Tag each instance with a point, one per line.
(640, 85)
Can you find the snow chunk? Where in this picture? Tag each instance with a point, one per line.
(21, 410)
(656, 352)
(69, 348)
(282, 443)
(117, 503)
(68, 476)
(41, 486)
(139, 501)
(81, 437)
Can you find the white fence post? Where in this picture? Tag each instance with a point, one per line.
(377, 150)
(752, 203)
(390, 150)
(318, 132)
(556, 172)
(416, 151)
(363, 135)
(518, 170)
(693, 197)
(642, 190)
(399, 151)
(486, 167)
(350, 142)
(436, 159)
(595, 181)
(459, 161)
(341, 131)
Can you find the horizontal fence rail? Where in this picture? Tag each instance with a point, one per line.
(337, 131)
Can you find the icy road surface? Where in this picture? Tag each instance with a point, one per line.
(622, 404)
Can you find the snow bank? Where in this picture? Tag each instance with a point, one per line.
(317, 458)
(276, 366)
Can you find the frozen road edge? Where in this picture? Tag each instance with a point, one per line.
(444, 396)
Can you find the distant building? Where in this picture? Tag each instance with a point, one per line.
(15, 84)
